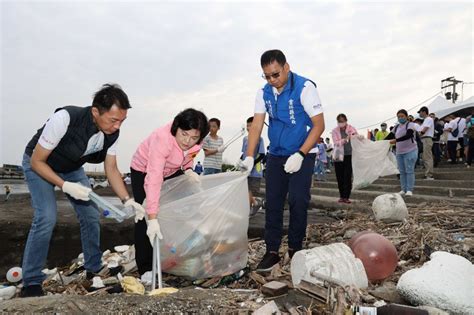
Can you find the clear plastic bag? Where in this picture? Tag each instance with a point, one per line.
(371, 160)
(204, 225)
(338, 153)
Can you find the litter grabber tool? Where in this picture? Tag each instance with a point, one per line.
(235, 137)
(156, 265)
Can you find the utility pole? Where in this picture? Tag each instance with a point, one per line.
(448, 82)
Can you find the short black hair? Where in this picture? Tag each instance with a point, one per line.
(217, 121)
(402, 111)
(341, 116)
(110, 94)
(191, 119)
(273, 55)
(250, 119)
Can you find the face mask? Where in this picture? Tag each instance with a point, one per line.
(402, 120)
(341, 124)
(384, 128)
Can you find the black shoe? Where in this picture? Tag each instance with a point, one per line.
(268, 261)
(31, 291)
(291, 252)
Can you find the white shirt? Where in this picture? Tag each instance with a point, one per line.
(309, 99)
(453, 124)
(462, 127)
(428, 122)
(56, 128)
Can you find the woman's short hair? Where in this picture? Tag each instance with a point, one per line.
(191, 119)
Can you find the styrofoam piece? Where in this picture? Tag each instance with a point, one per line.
(335, 261)
(14, 274)
(390, 208)
(97, 283)
(7, 293)
(445, 282)
(121, 248)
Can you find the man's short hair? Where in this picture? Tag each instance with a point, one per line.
(217, 121)
(250, 119)
(110, 94)
(273, 55)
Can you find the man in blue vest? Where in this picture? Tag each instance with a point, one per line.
(296, 122)
(53, 158)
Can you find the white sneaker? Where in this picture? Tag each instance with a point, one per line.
(449, 160)
(429, 178)
(402, 193)
(409, 194)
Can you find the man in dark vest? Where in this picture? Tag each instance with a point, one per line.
(296, 122)
(54, 157)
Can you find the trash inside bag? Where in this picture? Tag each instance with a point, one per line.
(204, 225)
(371, 160)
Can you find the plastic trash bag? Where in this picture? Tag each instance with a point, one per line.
(371, 160)
(204, 225)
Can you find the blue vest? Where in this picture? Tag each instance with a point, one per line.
(289, 123)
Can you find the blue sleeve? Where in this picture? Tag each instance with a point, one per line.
(261, 146)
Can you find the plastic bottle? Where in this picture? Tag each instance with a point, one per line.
(14, 274)
(109, 210)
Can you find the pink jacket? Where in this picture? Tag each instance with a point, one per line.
(160, 156)
(339, 142)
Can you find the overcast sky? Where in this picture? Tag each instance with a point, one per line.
(368, 59)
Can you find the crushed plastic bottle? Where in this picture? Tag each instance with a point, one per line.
(109, 210)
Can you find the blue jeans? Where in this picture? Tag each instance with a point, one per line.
(209, 171)
(320, 170)
(43, 201)
(297, 186)
(406, 166)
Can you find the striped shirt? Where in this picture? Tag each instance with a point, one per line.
(214, 160)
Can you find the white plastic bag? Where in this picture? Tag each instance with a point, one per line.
(371, 160)
(204, 225)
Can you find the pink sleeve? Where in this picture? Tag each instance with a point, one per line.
(336, 137)
(158, 152)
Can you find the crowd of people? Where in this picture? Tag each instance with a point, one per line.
(74, 135)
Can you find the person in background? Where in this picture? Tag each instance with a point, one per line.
(418, 122)
(166, 153)
(296, 121)
(438, 132)
(329, 148)
(382, 133)
(321, 161)
(255, 177)
(470, 135)
(403, 135)
(213, 146)
(374, 133)
(427, 132)
(461, 139)
(342, 156)
(54, 157)
(452, 127)
(198, 168)
(411, 118)
(7, 192)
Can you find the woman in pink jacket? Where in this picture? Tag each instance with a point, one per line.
(166, 153)
(342, 156)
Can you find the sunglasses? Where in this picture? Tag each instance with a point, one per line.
(275, 75)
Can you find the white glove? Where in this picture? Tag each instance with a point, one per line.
(221, 149)
(293, 164)
(76, 190)
(246, 164)
(153, 230)
(193, 176)
(139, 210)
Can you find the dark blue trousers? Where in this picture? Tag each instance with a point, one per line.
(297, 186)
